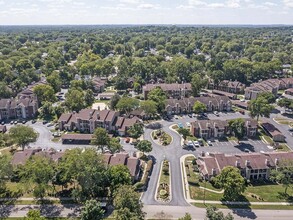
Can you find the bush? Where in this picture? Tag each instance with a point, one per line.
(149, 166)
(163, 194)
(139, 185)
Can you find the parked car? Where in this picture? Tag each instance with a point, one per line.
(188, 124)
(210, 143)
(204, 115)
(127, 140)
(2, 122)
(242, 112)
(176, 116)
(11, 122)
(16, 122)
(180, 125)
(190, 115)
(216, 113)
(193, 115)
(190, 144)
(23, 122)
(290, 129)
(45, 122)
(34, 121)
(196, 144)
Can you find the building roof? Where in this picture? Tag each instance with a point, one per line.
(20, 157)
(132, 164)
(77, 137)
(271, 129)
(167, 87)
(119, 158)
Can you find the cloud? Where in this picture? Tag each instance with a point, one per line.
(146, 6)
(270, 4)
(288, 3)
(199, 3)
(130, 1)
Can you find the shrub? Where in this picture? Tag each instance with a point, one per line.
(163, 194)
(139, 185)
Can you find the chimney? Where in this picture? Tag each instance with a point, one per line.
(214, 172)
(267, 162)
(237, 163)
(247, 163)
(277, 161)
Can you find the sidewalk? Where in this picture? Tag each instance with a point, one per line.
(239, 203)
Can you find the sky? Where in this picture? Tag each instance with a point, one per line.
(58, 12)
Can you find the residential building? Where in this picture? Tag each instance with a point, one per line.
(21, 108)
(99, 84)
(275, 134)
(289, 91)
(132, 163)
(185, 105)
(173, 90)
(218, 128)
(87, 120)
(252, 166)
(269, 85)
(227, 86)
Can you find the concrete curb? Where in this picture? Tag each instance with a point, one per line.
(185, 184)
(181, 140)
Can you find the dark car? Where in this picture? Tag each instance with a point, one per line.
(34, 121)
(45, 122)
(23, 122)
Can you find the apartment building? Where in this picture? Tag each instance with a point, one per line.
(227, 86)
(87, 120)
(218, 128)
(22, 108)
(185, 105)
(269, 85)
(173, 90)
(252, 166)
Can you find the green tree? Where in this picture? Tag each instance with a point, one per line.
(22, 135)
(158, 96)
(39, 171)
(126, 104)
(149, 107)
(74, 100)
(283, 174)
(184, 132)
(5, 91)
(34, 215)
(92, 211)
(199, 107)
(100, 138)
(6, 170)
(135, 130)
(212, 213)
(286, 103)
(237, 127)
(44, 93)
(114, 145)
(113, 102)
(259, 107)
(231, 181)
(268, 96)
(118, 176)
(197, 84)
(89, 98)
(127, 204)
(144, 146)
(187, 216)
(55, 81)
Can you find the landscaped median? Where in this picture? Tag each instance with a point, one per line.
(258, 195)
(161, 137)
(163, 193)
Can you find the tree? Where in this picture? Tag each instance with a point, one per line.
(199, 107)
(159, 97)
(6, 170)
(283, 174)
(74, 100)
(127, 204)
(187, 216)
(118, 176)
(212, 213)
(259, 107)
(34, 215)
(55, 81)
(197, 84)
(144, 146)
(149, 107)
(92, 210)
(100, 138)
(38, 170)
(126, 104)
(135, 130)
(237, 126)
(114, 145)
(231, 181)
(5, 91)
(89, 98)
(22, 135)
(44, 93)
(268, 96)
(184, 132)
(113, 102)
(286, 103)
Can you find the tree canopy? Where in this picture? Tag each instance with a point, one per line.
(23, 135)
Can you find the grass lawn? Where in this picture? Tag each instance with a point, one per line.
(175, 127)
(268, 207)
(284, 121)
(191, 138)
(267, 138)
(56, 139)
(232, 138)
(164, 178)
(284, 148)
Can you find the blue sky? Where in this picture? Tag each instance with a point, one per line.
(17, 12)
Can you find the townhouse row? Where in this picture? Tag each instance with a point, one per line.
(87, 120)
(218, 129)
(252, 166)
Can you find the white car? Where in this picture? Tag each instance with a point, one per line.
(189, 144)
(196, 144)
(188, 124)
(176, 116)
(216, 113)
(210, 143)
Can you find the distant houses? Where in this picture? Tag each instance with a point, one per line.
(87, 120)
(173, 90)
(252, 166)
(227, 86)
